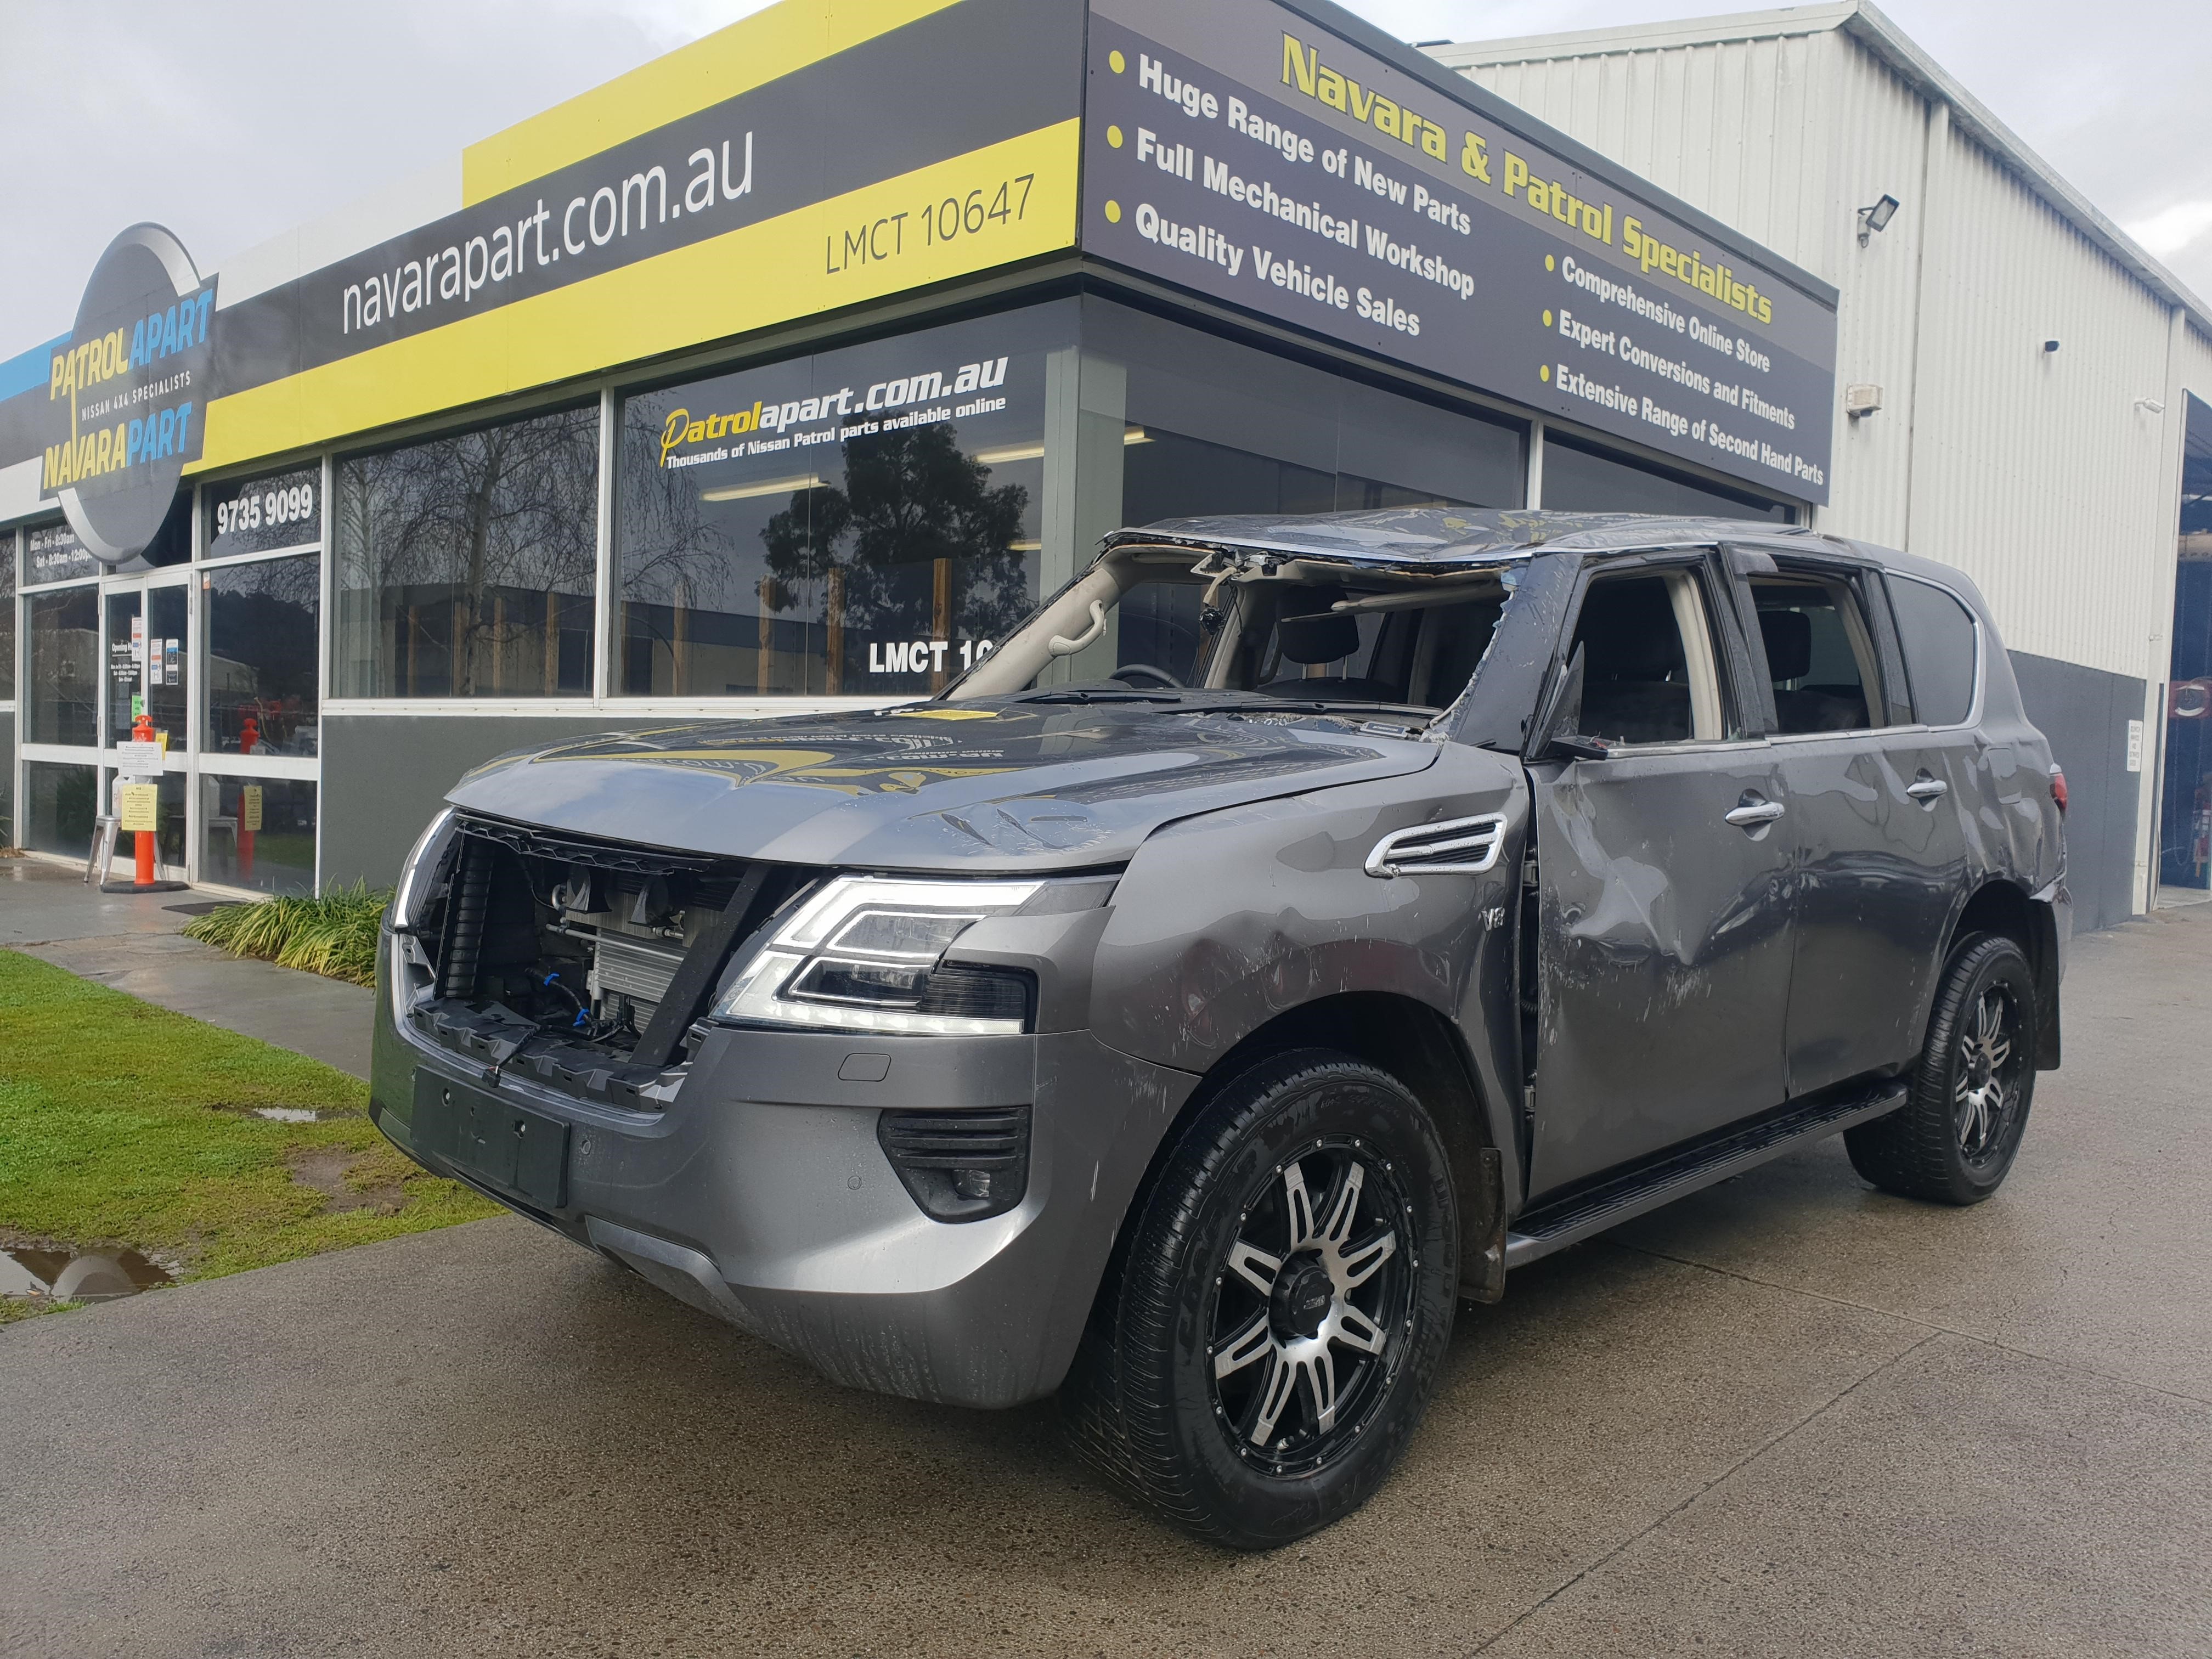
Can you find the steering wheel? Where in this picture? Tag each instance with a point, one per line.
(1146, 670)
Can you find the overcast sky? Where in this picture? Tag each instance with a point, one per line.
(231, 120)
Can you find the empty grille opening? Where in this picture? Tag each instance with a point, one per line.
(964, 1165)
(561, 950)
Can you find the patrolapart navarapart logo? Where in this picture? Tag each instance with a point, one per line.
(127, 394)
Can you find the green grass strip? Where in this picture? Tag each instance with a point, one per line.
(334, 935)
(122, 1124)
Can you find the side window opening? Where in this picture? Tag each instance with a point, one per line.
(1649, 673)
(1820, 654)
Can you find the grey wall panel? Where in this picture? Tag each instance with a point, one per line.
(384, 776)
(2085, 713)
(7, 776)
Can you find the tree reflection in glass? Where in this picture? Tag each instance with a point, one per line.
(465, 565)
(917, 532)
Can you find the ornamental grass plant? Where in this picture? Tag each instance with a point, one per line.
(333, 935)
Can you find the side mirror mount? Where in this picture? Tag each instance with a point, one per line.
(1553, 734)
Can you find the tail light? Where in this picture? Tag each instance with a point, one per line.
(2058, 788)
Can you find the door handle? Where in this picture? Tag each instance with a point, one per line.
(1754, 813)
(1928, 789)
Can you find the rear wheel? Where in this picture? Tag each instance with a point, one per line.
(1283, 1299)
(1955, 1140)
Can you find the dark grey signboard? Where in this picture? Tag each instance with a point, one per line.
(1238, 148)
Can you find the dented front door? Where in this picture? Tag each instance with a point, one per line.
(1663, 952)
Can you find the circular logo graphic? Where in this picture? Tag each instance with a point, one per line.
(126, 393)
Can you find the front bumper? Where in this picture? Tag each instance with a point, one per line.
(761, 1195)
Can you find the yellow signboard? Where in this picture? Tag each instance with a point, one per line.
(249, 807)
(137, 806)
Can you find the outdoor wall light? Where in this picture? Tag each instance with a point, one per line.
(1877, 217)
(2150, 405)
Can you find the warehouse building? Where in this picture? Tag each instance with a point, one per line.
(679, 399)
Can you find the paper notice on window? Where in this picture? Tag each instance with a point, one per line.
(249, 808)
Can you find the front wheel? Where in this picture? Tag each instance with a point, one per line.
(1283, 1301)
(1954, 1140)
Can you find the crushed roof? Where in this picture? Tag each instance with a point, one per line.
(1436, 536)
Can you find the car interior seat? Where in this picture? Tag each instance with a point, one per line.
(1308, 630)
(1636, 683)
(1787, 635)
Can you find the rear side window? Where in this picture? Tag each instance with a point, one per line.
(1820, 655)
(1940, 642)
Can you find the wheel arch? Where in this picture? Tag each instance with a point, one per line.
(1415, 1044)
(2004, 906)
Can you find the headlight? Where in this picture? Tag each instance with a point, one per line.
(417, 875)
(865, 954)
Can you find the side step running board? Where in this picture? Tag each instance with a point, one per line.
(1553, 1226)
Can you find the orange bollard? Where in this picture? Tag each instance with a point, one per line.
(249, 740)
(141, 730)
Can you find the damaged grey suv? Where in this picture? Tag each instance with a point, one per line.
(1293, 927)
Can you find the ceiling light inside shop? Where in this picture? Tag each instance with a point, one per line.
(1135, 434)
(767, 487)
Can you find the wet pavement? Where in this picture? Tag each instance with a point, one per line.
(1788, 1416)
(135, 943)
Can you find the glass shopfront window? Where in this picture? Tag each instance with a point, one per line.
(52, 553)
(269, 514)
(463, 566)
(59, 804)
(860, 520)
(263, 619)
(872, 520)
(1581, 480)
(60, 699)
(258, 833)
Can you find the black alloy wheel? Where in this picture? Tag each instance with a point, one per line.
(1955, 1140)
(1312, 1307)
(1988, 1069)
(1277, 1306)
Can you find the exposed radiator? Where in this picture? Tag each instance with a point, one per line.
(630, 969)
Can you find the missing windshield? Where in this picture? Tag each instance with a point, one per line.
(1157, 622)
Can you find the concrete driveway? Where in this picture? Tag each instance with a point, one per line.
(1787, 1417)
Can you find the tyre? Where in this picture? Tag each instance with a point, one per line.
(1273, 1323)
(1954, 1140)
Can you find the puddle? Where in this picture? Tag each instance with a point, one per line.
(289, 1114)
(78, 1275)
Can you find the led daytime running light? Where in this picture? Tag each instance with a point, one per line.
(761, 992)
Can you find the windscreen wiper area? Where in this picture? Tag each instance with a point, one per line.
(1063, 693)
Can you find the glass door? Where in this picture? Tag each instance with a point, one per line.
(146, 635)
(125, 612)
